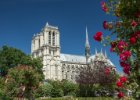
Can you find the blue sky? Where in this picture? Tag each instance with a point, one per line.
(20, 19)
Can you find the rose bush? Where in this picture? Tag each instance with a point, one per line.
(127, 42)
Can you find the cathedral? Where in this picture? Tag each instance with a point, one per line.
(57, 65)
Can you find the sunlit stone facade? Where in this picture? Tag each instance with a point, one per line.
(56, 65)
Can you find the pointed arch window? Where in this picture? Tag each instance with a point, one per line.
(39, 42)
(49, 38)
(56, 71)
(53, 39)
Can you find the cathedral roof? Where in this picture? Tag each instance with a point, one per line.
(100, 57)
(82, 59)
(73, 58)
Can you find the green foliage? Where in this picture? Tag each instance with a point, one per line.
(57, 88)
(86, 90)
(22, 81)
(9, 57)
(57, 92)
(44, 90)
(69, 88)
(1, 88)
(20, 74)
(79, 98)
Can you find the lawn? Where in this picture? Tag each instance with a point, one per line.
(80, 98)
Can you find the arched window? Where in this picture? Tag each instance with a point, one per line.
(53, 39)
(49, 38)
(56, 71)
(39, 42)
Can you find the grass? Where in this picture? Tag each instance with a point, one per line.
(79, 98)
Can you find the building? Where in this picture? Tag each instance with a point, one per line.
(56, 65)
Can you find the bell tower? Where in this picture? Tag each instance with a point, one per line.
(47, 47)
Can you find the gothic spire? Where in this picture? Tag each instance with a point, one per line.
(87, 41)
(47, 24)
(87, 47)
(95, 51)
(101, 51)
(105, 54)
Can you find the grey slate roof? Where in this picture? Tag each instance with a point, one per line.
(72, 58)
(78, 58)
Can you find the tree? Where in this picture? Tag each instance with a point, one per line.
(22, 81)
(69, 88)
(95, 75)
(20, 72)
(44, 90)
(57, 88)
(9, 57)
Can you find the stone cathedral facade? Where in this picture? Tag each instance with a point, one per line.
(57, 65)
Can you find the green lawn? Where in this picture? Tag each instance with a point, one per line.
(80, 98)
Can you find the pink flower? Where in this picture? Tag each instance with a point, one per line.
(98, 36)
(112, 50)
(107, 71)
(105, 25)
(133, 24)
(120, 94)
(104, 7)
(132, 40)
(123, 79)
(119, 84)
(121, 45)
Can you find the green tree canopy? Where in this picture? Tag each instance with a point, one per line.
(9, 57)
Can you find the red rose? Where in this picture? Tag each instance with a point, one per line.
(125, 55)
(137, 34)
(121, 45)
(98, 36)
(120, 94)
(105, 25)
(133, 23)
(123, 79)
(123, 64)
(132, 40)
(119, 84)
(126, 70)
(113, 44)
